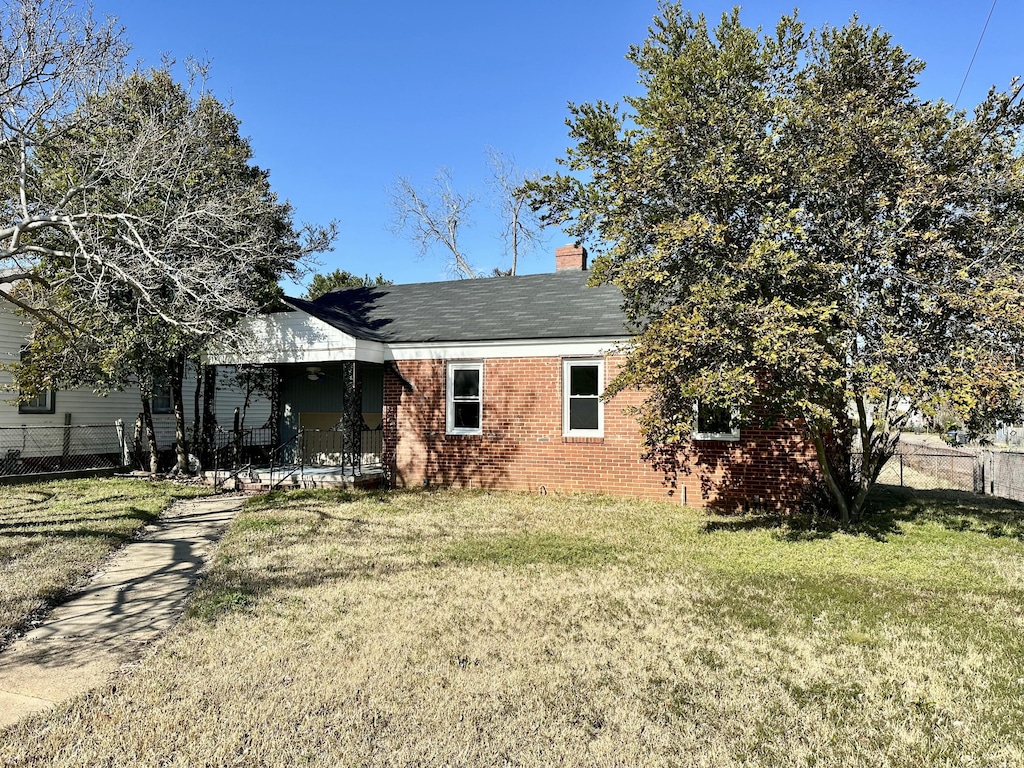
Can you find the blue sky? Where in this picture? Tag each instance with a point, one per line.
(338, 98)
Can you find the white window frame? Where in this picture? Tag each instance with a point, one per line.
(567, 365)
(463, 365)
(733, 434)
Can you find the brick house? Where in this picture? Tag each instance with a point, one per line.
(495, 383)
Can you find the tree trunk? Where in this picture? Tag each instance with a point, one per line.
(176, 377)
(147, 425)
(832, 482)
(880, 448)
(248, 379)
(209, 415)
(197, 414)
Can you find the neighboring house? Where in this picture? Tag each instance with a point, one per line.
(82, 406)
(495, 383)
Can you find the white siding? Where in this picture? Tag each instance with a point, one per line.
(295, 337)
(86, 407)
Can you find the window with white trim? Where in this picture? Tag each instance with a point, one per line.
(582, 409)
(711, 422)
(464, 398)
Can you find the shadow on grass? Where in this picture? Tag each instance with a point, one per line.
(275, 499)
(228, 589)
(803, 527)
(14, 503)
(953, 510)
(890, 508)
(73, 526)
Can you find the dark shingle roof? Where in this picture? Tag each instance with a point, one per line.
(549, 306)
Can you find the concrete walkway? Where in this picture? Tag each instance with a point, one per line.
(138, 595)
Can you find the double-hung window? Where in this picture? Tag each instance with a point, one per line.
(582, 409)
(714, 423)
(161, 401)
(41, 402)
(44, 402)
(464, 398)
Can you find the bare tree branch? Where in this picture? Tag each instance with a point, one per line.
(433, 218)
(521, 226)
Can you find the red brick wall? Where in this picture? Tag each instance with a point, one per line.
(522, 447)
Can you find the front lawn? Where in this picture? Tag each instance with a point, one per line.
(470, 629)
(53, 535)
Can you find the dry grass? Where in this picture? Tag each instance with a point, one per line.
(471, 629)
(53, 535)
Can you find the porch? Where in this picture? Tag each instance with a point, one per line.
(327, 429)
(312, 458)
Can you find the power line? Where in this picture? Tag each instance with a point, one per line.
(976, 49)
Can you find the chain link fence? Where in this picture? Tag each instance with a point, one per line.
(933, 471)
(991, 472)
(34, 450)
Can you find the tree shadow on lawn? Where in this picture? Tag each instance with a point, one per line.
(72, 526)
(890, 509)
(953, 510)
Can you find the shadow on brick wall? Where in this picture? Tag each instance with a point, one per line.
(418, 450)
(770, 470)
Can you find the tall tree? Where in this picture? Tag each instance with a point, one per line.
(198, 237)
(53, 57)
(433, 218)
(803, 237)
(521, 229)
(319, 284)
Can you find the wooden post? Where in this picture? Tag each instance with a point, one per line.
(121, 441)
(236, 439)
(66, 447)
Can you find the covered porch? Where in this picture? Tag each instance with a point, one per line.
(327, 431)
(327, 426)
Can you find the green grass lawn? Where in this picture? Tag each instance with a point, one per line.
(470, 629)
(53, 535)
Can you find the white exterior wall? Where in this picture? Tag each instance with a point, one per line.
(295, 337)
(86, 407)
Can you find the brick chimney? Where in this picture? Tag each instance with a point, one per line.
(570, 257)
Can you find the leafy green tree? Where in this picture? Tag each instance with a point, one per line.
(192, 230)
(320, 284)
(802, 237)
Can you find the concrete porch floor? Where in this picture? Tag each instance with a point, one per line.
(294, 476)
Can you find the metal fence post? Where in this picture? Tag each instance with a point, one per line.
(901, 469)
